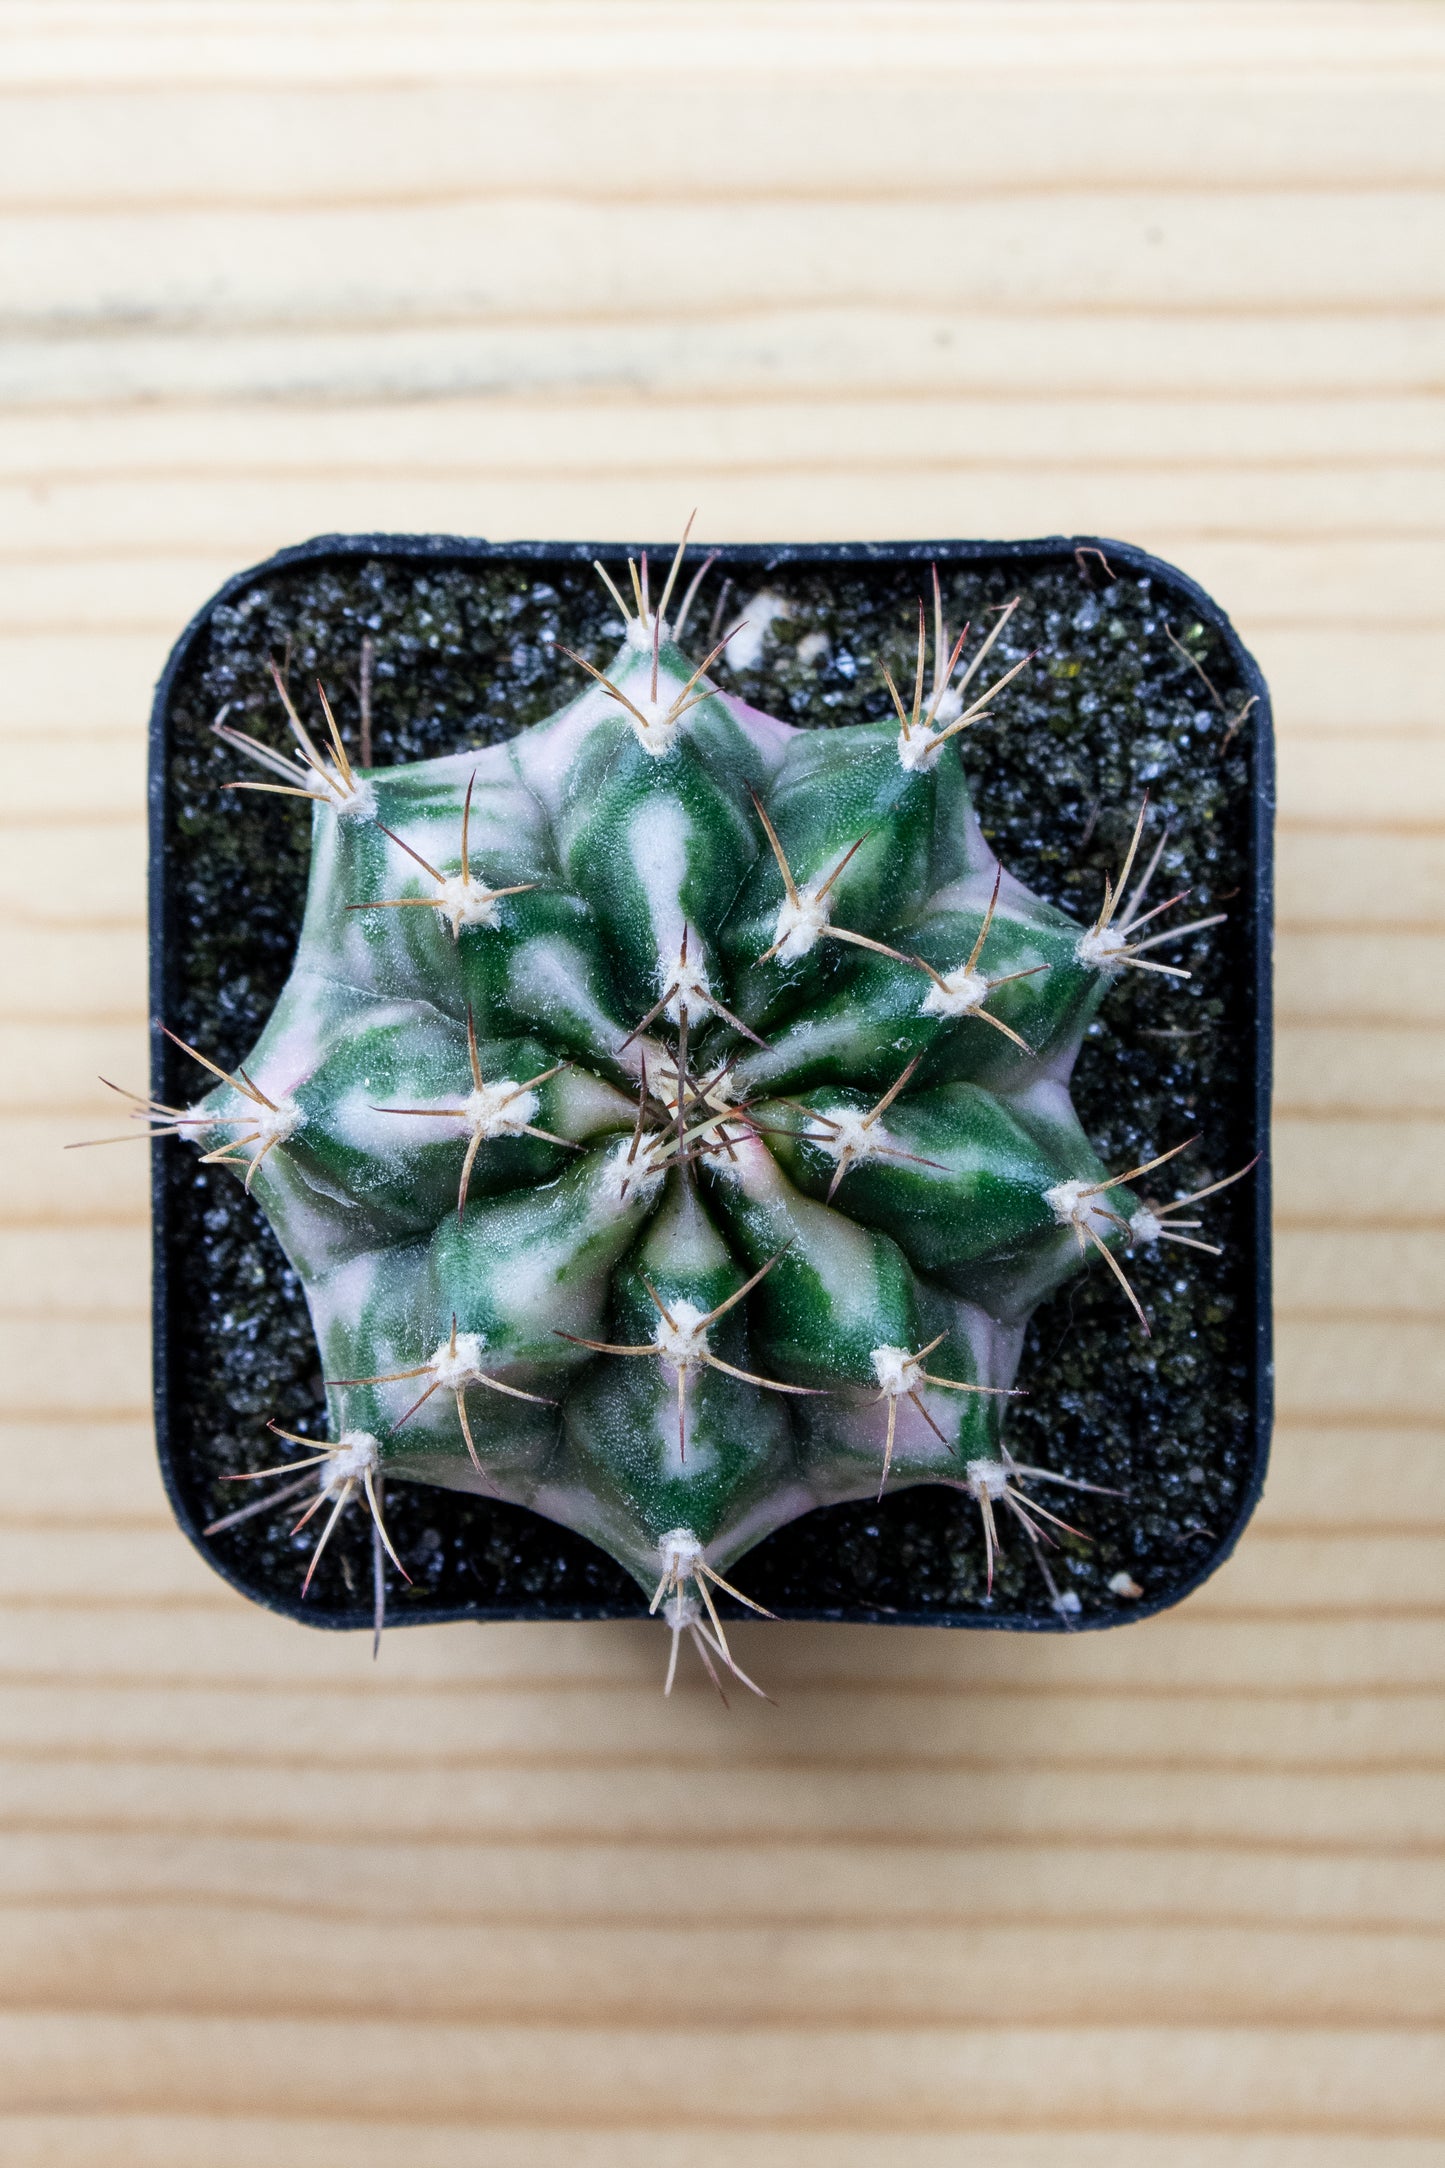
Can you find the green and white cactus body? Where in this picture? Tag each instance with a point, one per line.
(667, 1115)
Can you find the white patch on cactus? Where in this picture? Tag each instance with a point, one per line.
(658, 836)
(680, 1555)
(837, 1251)
(355, 1455)
(503, 1109)
(682, 1334)
(688, 975)
(545, 756)
(460, 1364)
(961, 993)
(359, 1123)
(681, 1453)
(465, 903)
(627, 1176)
(801, 921)
(851, 1137)
(986, 1478)
(896, 1370)
(1080, 1205)
(1103, 948)
(587, 1107)
(918, 750)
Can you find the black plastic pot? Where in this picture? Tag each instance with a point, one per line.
(1140, 682)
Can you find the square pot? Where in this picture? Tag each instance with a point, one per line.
(1140, 683)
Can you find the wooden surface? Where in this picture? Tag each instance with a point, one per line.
(1172, 1895)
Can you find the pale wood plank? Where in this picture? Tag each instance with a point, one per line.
(1188, 1653)
(654, 1803)
(179, 2141)
(1349, 978)
(64, 518)
(384, 1719)
(881, 2076)
(317, 1964)
(1359, 1272)
(1321, 1069)
(507, 40)
(797, 1885)
(865, 348)
(1155, 1895)
(1319, 435)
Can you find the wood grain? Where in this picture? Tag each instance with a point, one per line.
(1170, 1896)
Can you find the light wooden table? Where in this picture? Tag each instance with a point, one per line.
(1170, 1896)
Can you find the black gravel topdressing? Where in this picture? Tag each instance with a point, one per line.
(464, 646)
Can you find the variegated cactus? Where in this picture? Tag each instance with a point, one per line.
(668, 1114)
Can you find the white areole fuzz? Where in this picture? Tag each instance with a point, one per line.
(627, 1176)
(455, 1367)
(1102, 947)
(689, 976)
(464, 902)
(897, 1371)
(851, 1137)
(275, 1124)
(498, 1110)
(986, 1478)
(355, 1456)
(682, 1334)
(918, 749)
(1080, 1205)
(801, 920)
(961, 993)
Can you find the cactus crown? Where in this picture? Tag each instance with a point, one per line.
(668, 1111)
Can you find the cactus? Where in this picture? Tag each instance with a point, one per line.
(667, 1115)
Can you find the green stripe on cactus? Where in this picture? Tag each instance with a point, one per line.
(660, 849)
(950, 1174)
